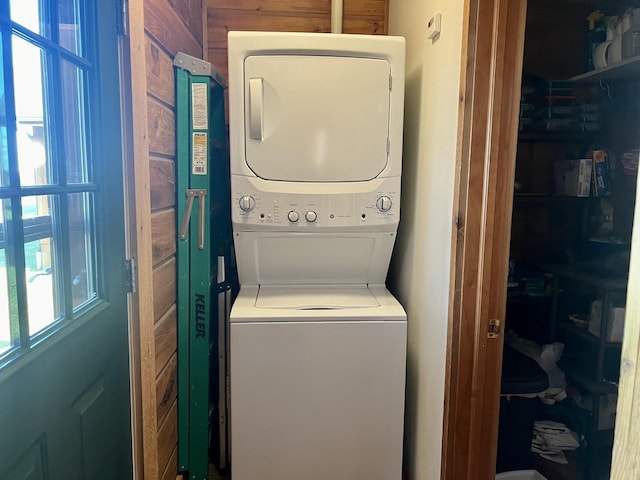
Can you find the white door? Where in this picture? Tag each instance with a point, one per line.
(316, 118)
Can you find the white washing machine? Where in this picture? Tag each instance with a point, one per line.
(317, 343)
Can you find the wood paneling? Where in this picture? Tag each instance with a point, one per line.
(165, 25)
(166, 339)
(218, 58)
(298, 7)
(190, 12)
(167, 435)
(221, 22)
(163, 183)
(164, 288)
(366, 26)
(362, 8)
(375, 8)
(163, 235)
(172, 467)
(167, 388)
(160, 78)
(162, 138)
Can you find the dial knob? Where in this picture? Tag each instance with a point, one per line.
(383, 203)
(247, 203)
(293, 216)
(311, 216)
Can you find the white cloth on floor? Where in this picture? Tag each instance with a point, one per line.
(551, 439)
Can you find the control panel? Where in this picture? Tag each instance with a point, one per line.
(298, 211)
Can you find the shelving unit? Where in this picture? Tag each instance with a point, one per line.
(586, 357)
(628, 68)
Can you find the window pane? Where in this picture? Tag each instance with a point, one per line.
(41, 262)
(9, 333)
(31, 121)
(30, 14)
(82, 248)
(5, 322)
(69, 25)
(4, 152)
(73, 112)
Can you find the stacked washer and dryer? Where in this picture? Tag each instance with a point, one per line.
(317, 343)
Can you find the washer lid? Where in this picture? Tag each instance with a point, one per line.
(313, 118)
(315, 298)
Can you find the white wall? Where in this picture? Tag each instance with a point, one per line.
(419, 274)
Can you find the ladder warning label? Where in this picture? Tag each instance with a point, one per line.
(199, 155)
(199, 106)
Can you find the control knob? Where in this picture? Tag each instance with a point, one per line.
(311, 216)
(383, 203)
(293, 216)
(247, 203)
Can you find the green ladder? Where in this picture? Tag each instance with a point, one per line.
(201, 140)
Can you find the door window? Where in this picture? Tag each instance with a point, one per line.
(48, 240)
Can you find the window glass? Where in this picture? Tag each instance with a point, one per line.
(31, 122)
(41, 261)
(74, 117)
(45, 159)
(4, 151)
(9, 333)
(5, 319)
(69, 26)
(81, 248)
(30, 14)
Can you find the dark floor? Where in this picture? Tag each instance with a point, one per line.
(214, 475)
(552, 471)
(574, 470)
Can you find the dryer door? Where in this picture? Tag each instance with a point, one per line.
(316, 118)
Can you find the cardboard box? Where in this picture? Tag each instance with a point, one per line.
(573, 177)
(601, 177)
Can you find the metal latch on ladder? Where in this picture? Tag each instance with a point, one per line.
(494, 328)
(191, 194)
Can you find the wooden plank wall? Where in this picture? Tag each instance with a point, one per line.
(360, 16)
(159, 30)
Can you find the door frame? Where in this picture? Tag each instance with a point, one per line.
(492, 52)
(491, 74)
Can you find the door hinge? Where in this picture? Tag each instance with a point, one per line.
(130, 275)
(494, 328)
(122, 17)
(390, 82)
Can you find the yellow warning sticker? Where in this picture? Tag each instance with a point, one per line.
(199, 155)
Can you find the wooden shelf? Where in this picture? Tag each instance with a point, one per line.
(626, 69)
